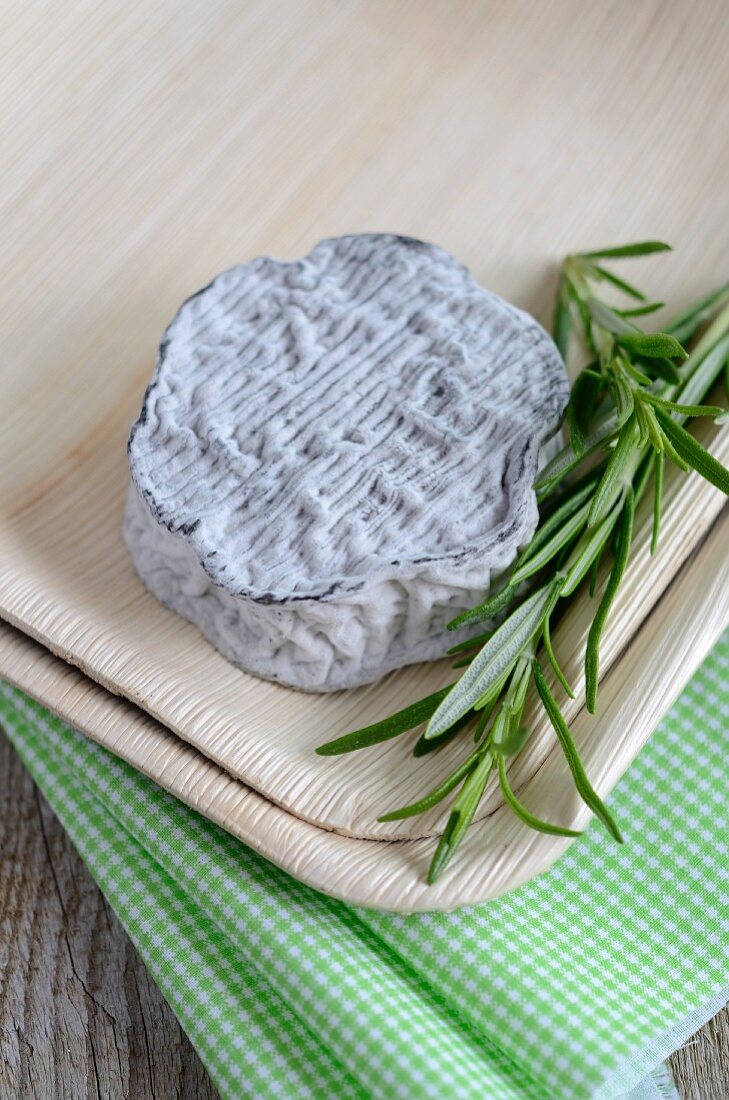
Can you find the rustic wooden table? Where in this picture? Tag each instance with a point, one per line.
(79, 1015)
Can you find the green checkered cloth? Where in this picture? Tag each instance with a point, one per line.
(577, 984)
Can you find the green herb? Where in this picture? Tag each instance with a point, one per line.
(404, 720)
(625, 415)
(522, 812)
(622, 550)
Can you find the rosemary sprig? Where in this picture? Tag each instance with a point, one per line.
(625, 415)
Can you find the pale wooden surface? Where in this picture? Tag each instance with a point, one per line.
(79, 1015)
(497, 854)
(83, 600)
(149, 146)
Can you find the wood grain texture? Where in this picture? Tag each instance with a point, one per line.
(497, 854)
(84, 601)
(701, 1066)
(150, 147)
(79, 1015)
(105, 1032)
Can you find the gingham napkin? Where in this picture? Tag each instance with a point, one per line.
(578, 984)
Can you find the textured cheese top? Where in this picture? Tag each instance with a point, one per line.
(357, 415)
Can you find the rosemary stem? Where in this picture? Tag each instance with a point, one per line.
(626, 410)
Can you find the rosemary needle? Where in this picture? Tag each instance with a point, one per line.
(592, 655)
(521, 811)
(657, 499)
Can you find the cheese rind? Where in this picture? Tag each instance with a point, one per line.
(335, 454)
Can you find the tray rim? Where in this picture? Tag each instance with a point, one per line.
(33, 605)
(311, 852)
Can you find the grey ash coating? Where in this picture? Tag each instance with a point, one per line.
(359, 424)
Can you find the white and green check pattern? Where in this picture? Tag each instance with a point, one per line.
(577, 984)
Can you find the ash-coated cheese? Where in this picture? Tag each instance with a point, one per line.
(335, 454)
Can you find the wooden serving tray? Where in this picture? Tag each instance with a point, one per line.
(66, 579)
(498, 853)
(226, 132)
